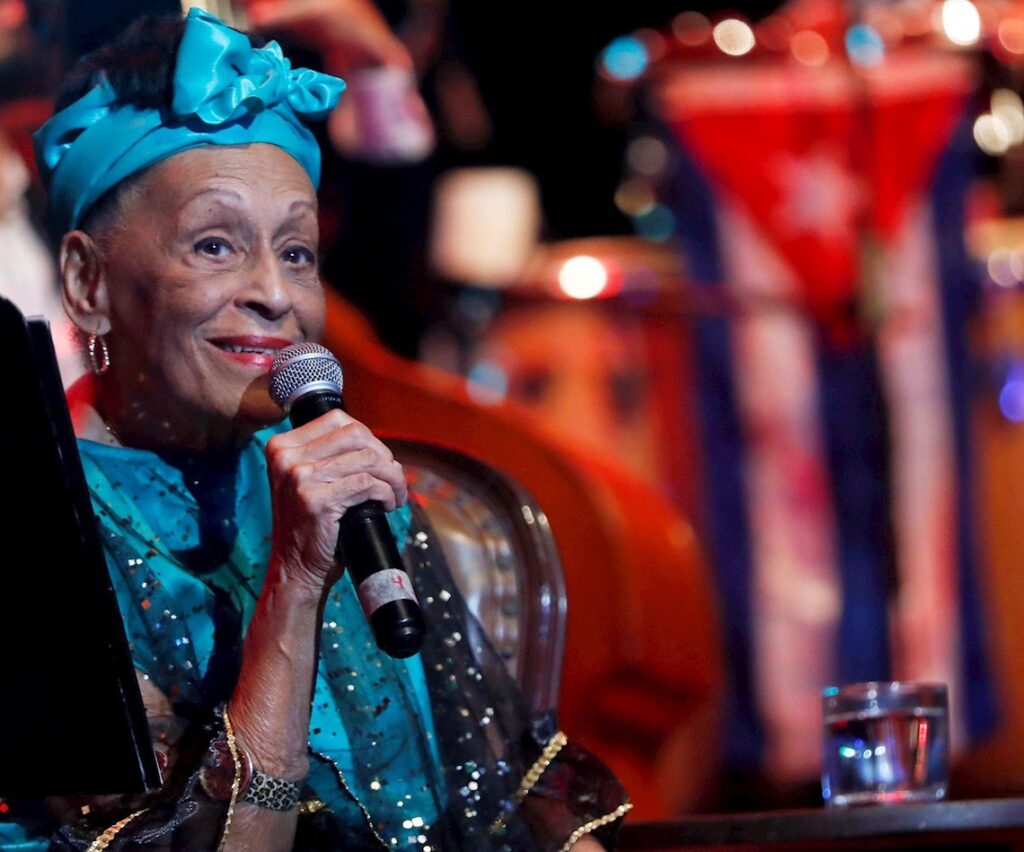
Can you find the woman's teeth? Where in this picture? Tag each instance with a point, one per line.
(257, 350)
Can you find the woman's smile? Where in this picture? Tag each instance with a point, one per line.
(254, 351)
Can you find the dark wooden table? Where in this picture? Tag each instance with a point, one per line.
(989, 824)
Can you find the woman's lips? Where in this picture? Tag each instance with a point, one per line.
(252, 350)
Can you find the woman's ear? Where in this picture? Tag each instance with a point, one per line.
(83, 283)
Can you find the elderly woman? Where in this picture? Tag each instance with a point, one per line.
(183, 175)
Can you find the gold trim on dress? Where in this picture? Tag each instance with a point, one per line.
(532, 776)
(103, 841)
(588, 827)
(353, 796)
(312, 806)
(229, 732)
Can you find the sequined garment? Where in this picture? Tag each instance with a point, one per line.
(426, 753)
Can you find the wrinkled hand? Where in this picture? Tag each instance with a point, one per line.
(317, 472)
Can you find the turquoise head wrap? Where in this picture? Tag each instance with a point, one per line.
(225, 92)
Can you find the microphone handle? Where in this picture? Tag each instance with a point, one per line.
(366, 546)
(310, 406)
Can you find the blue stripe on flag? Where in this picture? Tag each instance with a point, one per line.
(691, 199)
(959, 285)
(856, 446)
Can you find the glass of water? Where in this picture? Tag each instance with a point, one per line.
(885, 742)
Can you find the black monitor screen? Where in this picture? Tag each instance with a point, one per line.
(71, 716)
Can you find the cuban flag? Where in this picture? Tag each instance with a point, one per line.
(824, 209)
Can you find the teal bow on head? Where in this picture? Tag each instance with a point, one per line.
(239, 79)
(225, 92)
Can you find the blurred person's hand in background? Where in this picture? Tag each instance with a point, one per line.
(349, 34)
(383, 119)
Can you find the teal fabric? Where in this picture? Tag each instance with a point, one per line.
(15, 838)
(225, 92)
(188, 541)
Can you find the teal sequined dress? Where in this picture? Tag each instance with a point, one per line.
(424, 753)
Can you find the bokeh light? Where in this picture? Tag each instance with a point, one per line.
(864, 45)
(625, 58)
(654, 42)
(657, 225)
(647, 155)
(992, 136)
(1008, 109)
(474, 308)
(961, 22)
(1011, 396)
(583, 277)
(487, 383)
(1011, 35)
(635, 197)
(691, 29)
(13, 15)
(809, 48)
(1006, 267)
(734, 37)
(774, 33)
(888, 25)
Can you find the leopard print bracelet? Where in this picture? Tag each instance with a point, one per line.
(275, 794)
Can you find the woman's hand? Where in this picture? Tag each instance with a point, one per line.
(317, 472)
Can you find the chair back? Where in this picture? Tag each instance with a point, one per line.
(642, 666)
(502, 554)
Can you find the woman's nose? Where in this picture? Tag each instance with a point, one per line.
(266, 291)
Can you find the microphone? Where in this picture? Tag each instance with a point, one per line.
(306, 381)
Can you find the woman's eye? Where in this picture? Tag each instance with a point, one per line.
(299, 255)
(213, 247)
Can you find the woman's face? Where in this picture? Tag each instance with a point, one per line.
(210, 269)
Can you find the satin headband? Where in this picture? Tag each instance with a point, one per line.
(225, 92)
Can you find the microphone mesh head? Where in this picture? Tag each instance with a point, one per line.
(302, 367)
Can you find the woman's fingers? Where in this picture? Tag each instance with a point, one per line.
(332, 448)
(333, 437)
(334, 423)
(355, 473)
(330, 435)
(332, 497)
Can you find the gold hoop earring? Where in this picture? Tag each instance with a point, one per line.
(100, 361)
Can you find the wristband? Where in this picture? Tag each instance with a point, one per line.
(217, 776)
